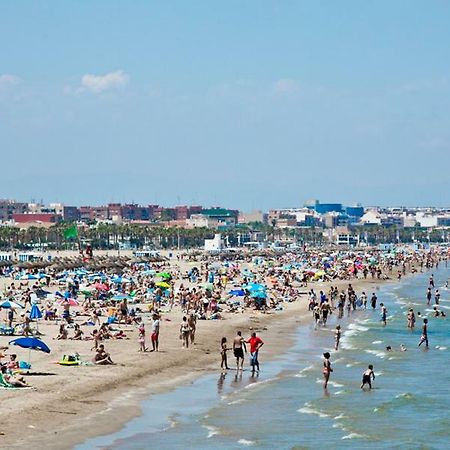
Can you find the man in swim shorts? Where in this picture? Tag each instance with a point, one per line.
(238, 350)
(367, 377)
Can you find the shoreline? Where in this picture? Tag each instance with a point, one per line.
(92, 411)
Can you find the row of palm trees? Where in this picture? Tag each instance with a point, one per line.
(107, 236)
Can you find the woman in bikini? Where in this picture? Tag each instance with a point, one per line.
(326, 369)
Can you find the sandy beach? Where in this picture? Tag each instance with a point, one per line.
(75, 403)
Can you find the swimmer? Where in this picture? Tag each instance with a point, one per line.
(403, 348)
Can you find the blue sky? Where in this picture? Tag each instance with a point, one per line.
(248, 104)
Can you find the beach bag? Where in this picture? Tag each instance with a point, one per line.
(24, 365)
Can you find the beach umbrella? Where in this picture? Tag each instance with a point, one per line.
(31, 343)
(10, 304)
(120, 280)
(208, 286)
(254, 287)
(149, 272)
(70, 301)
(120, 297)
(258, 294)
(237, 292)
(35, 312)
(100, 287)
(163, 284)
(165, 275)
(28, 276)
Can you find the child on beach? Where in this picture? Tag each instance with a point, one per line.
(223, 353)
(367, 377)
(142, 347)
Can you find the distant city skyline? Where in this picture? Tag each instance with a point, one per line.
(249, 105)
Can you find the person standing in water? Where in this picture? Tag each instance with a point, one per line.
(337, 337)
(383, 313)
(424, 337)
(367, 377)
(373, 301)
(411, 319)
(437, 296)
(429, 296)
(363, 299)
(326, 369)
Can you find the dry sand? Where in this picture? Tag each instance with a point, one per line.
(76, 403)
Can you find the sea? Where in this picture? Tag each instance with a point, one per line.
(286, 407)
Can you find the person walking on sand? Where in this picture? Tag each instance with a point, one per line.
(337, 337)
(238, 349)
(424, 337)
(326, 369)
(155, 332)
(192, 321)
(368, 377)
(223, 353)
(185, 332)
(255, 344)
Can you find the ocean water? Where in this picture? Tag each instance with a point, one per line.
(285, 407)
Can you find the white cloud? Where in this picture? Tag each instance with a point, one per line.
(285, 86)
(101, 83)
(7, 79)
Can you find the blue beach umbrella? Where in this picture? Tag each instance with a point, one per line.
(28, 276)
(9, 304)
(31, 343)
(35, 312)
(254, 287)
(258, 294)
(120, 297)
(237, 292)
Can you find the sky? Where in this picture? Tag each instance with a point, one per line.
(248, 104)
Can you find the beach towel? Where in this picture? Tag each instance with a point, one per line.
(5, 385)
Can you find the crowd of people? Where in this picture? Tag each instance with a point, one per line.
(102, 305)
